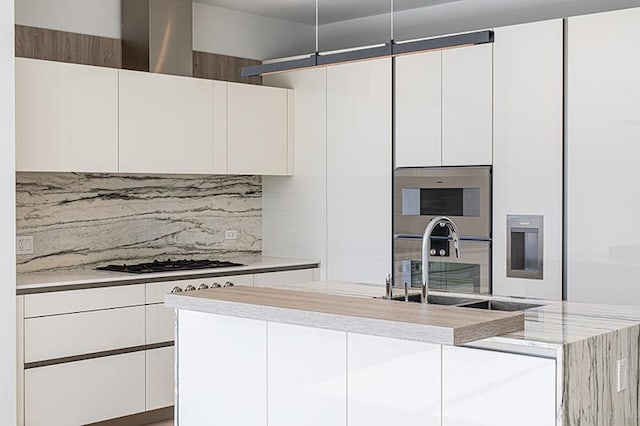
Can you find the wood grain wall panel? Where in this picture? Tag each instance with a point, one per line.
(52, 45)
(220, 67)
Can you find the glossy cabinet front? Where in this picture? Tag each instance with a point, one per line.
(486, 388)
(223, 377)
(307, 370)
(393, 382)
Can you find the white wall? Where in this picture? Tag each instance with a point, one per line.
(94, 17)
(7, 220)
(246, 35)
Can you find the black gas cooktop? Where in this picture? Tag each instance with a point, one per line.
(168, 266)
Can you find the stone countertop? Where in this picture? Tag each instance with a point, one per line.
(378, 317)
(546, 328)
(68, 279)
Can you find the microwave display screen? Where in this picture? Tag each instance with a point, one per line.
(461, 202)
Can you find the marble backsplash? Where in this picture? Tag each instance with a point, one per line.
(85, 220)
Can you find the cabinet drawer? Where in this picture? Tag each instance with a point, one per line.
(283, 278)
(160, 378)
(160, 323)
(86, 391)
(92, 299)
(154, 292)
(75, 334)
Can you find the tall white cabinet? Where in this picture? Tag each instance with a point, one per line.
(527, 157)
(294, 221)
(444, 107)
(603, 245)
(66, 117)
(337, 208)
(359, 171)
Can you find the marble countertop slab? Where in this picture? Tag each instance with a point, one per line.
(58, 280)
(546, 329)
(366, 315)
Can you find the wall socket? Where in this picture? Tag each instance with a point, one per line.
(24, 245)
(231, 234)
(623, 373)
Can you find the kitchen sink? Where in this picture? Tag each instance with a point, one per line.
(499, 305)
(462, 302)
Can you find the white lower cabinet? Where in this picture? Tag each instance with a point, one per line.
(393, 382)
(222, 370)
(307, 376)
(86, 391)
(160, 323)
(160, 383)
(485, 388)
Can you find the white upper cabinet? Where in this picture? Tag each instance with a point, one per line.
(66, 117)
(419, 110)
(259, 133)
(166, 123)
(467, 100)
(444, 103)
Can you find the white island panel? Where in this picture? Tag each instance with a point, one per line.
(486, 388)
(307, 376)
(393, 382)
(222, 370)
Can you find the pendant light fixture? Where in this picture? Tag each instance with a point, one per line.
(388, 49)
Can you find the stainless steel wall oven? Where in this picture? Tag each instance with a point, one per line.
(464, 195)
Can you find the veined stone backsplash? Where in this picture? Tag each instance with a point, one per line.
(87, 220)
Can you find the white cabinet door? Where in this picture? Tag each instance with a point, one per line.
(66, 117)
(223, 377)
(82, 392)
(359, 171)
(392, 382)
(485, 388)
(160, 378)
(160, 323)
(467, 102)
(527, 154)
(307, 376)
(419, 110)
(83, 333)
(166, 123)
(602, 156)
(258, 130)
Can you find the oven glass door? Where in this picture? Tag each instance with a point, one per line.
(471, 273)
(461, 193)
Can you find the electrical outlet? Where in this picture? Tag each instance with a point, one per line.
(622, 374)
(24, 245)
(231, 234)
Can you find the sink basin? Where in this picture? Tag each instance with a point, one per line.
(462, 302)
(499, 305)
(436, 300)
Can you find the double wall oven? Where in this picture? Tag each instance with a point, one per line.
(464, 195)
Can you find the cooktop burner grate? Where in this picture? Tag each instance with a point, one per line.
(169, 266)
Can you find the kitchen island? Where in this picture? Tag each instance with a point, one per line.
(335, 356)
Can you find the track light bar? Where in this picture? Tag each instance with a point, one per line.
(388, 49)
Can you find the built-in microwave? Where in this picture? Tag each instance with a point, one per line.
(464, 195)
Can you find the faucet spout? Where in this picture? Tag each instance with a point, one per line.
(440, 221)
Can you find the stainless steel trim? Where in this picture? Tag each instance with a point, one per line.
(93, 355)
(145, 418)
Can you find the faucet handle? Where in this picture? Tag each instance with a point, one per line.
(388, 288)
(406, 292)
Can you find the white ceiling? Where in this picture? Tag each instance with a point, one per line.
(330, 11)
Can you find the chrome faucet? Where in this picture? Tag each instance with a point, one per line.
(455, 236)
